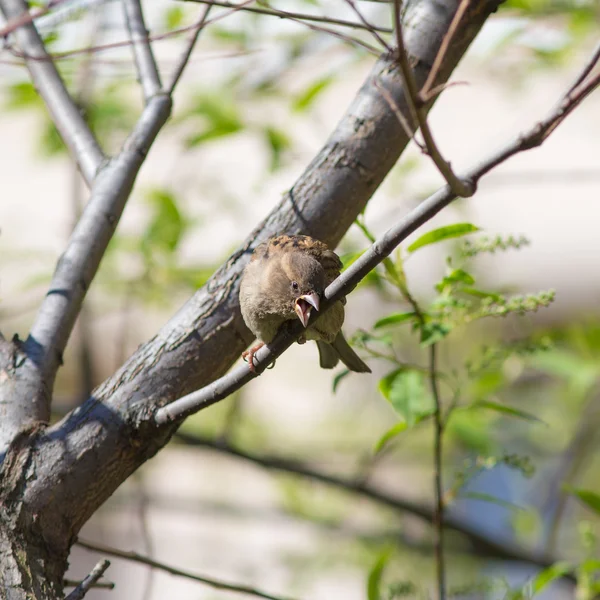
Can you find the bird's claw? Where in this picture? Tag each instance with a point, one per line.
(248, 356)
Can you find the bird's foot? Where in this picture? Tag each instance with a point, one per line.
(248, 356)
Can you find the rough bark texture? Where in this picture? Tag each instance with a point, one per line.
(54, 479)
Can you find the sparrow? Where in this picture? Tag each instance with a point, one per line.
(284, 280)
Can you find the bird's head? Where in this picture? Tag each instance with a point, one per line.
(302, 284)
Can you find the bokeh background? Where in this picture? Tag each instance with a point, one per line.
(257, 101)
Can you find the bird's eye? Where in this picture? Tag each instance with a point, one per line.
(295, 286)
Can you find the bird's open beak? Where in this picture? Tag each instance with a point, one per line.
(303, 306)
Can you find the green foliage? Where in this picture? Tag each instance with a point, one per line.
(587, 497)
(404, 389)
(442, 233)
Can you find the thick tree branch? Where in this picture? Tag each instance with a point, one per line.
(64, 112)
(114, 431)
(218, 584)
(145, 63)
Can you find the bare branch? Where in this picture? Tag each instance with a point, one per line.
(65, 114)
(368, 25)
(426, 92)
(144, 560)
(84, 587)
(483, 545)
(185, 57)
(299, 16)
(419, 111)
(116, 426)
(145, 63)
(385, 245)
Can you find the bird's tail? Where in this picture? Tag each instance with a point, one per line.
(331, 354)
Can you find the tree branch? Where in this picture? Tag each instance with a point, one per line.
(483, 545)
(418, 107)
(383, 247)
(144, 560)
(145, 63)
(185, 57)
(114, 431)
(84, 587)
(295, 15)
(65, 114)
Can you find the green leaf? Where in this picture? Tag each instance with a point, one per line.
(22, 95)
(433, 332)
(304, 100)
(443, 233)
(547, 576)
(506, 410)
(456, 276)
(395, 319)
(376, 575)
(482, 294)
(390, 434)
(278, 142)
(174, 17)
(491, 499)
(338, 378)
(166, 226)
(405, 390)
(350, 257)
(589, 498)
(221, 117)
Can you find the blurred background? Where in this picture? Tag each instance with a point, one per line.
(292, 485)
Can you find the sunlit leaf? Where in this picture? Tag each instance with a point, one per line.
(589, 498)
(456, 276)
(174, 17)
(405, 390)
(395, 319)
(304, 100)
(376, 575)
(338, 378)
(491, 499)
(390, 434)
(547, 576)
(443, 233)
(481, 294)
(278, 142)
(433, 332)
(167, 225)
(506, 410)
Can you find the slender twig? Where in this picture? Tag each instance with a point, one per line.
(84, 587)
(301, 16)
(144, 560)
(482, 544)
(86, 246)
(99, 585)
(64, 112)
(145, 63)
(426, 92)
(438, 513)
(408, 130)
(368, 25)
(28, 17)
(185, 57)
(224, 386)
(589, 67)
(418, 109)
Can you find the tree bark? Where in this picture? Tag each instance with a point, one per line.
(54, 478)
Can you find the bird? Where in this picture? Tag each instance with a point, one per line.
(284, 280)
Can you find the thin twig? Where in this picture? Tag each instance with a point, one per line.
(145, 63)
(438, 513)
(408, 130)
(383, 247)
(368, 25)
(28, 17)
(418, 109)
(99, 585)
(301, 16)
(483, 545)
(185, 57)
(427, 93)
(84, 587)
(64, 112)
(144, 560)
